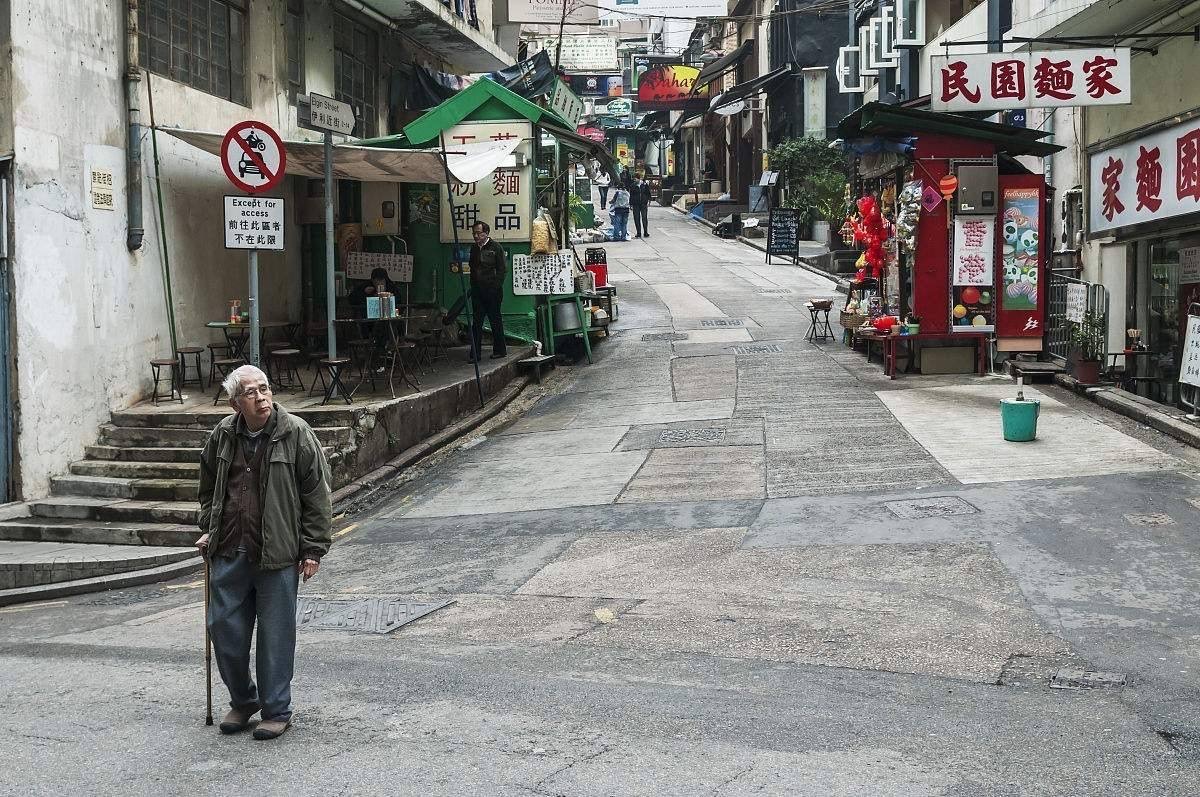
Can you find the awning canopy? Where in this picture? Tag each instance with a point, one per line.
(730, 60)
(892, 121)
(468, 162)
(751, 87)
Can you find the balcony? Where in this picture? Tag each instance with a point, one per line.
(449, 28)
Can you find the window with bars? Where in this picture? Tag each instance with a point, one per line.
(197, 42)
(355, 62)
(295, 48)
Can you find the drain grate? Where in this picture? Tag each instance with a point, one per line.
(934, 506)
(770, 348)
(703, 435)
(722, 322)
(773, 291)
(364, 615)
(1151, 519)
(665, 336)
(1068, 678)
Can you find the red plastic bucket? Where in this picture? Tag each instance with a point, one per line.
(601, 272)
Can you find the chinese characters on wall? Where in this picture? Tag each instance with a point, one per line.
(538, 275)
(504, 199)
(1040, 79)
(359, 265)
(1154, 177)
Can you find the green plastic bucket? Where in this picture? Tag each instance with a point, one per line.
(1020, 419)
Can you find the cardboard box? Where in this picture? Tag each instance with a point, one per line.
(948, 359)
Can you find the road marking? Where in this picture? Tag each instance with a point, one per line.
(189, 585)
(346, 531)
(28, 606)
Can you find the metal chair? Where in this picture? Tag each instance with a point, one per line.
(224, 366)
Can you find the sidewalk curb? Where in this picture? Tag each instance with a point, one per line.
(843, 286)
(1135, 408)
(133, 578)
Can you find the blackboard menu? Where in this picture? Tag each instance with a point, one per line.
(783, 234)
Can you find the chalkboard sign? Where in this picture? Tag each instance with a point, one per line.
(783, 234)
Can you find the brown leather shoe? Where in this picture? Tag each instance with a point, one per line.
(271, 729)
(238, 719)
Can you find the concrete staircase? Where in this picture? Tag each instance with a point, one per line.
(136, 487)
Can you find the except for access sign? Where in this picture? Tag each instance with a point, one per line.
(253, 222)
(326, 113)
(253, 157)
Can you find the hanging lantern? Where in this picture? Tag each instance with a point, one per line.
(948, 185)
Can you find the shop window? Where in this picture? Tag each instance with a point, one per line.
(295, 48)
(1163, 333)
(197, 42)
(355, 63)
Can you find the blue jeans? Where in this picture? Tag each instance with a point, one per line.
(620, 220)
(239, 594)
(603, 189)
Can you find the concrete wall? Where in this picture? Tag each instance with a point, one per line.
(1161, 89)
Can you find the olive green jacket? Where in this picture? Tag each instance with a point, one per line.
(294, 490)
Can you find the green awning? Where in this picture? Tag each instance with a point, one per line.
(487, 96)
(893, 121)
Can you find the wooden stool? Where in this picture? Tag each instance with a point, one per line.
(216, 351)
(536, 363)
(818, 315)
(362, 357)
(225, 366)
(335, 367)
(156, 367)
(287, 376)
(183, 353)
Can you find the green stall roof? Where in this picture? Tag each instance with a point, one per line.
(483, 100)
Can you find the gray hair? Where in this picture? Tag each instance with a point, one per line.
(239, 376)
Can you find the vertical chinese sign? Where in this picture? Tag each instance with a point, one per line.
(1148, 179)
(973, 307)
(1039, 79)
(503, 199)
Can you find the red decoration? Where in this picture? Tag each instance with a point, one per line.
(948, 185)
(870, 229)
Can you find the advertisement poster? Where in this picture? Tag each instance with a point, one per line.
(1020, 257)
(624, 152)
(597, 85)
(668, 87)
(973, 305)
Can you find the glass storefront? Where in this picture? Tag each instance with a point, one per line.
(1164, 285)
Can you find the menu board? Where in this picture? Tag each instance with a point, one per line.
(359, 265)
(540, 275)
(1189, 367)
(1076, 302)
(783, 232)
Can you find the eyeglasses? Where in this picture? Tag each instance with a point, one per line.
(254, 392)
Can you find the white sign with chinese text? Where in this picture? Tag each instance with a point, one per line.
(1189, 265)
(504, 199)
(539, 275)
(359, 265)
(1076, 302)
(253, 222)
(974, 250)
(585, 53)
(1189, 367)
(550, 12)
(1039, 79)
(102, 189)
(1147, 179)
(566, 104)
(326, 113)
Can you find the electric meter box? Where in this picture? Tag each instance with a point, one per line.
(381, 208)
(977, 191)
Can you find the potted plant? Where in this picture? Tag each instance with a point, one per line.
(1087, 348)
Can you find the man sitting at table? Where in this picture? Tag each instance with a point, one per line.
(488, 268)
(379, 283)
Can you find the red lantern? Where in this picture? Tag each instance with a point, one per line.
(948, 185)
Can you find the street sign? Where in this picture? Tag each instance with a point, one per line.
(253, 222)
(253, 157)
(619, 107)
(326, 113)
(565, 103)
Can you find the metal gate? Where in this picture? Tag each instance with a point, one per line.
(1058, 328)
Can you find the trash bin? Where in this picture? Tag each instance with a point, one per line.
(1019, 417)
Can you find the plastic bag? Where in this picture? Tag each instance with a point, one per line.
(539, 237)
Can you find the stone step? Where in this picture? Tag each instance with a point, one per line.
(116, 487)
(137, 470)
(141, 454)
(178, 437)
(208, 417)
(103, 532)
(117, 509)
(82, 586)
(34, 564)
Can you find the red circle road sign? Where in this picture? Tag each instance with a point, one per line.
(253, 157)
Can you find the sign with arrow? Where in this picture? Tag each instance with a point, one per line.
(253, 157)
(326, 113)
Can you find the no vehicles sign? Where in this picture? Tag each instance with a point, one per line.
(253, 222)
(253, 157)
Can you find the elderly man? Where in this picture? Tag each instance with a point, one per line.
(265, 513)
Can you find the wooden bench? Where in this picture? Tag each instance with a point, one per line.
(536, 364)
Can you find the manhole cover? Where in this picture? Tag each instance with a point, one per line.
(934, 506)
(1151, 519)
(773, 291)
(722, 322)
(666, 336)
(366, 615)
(770, 348)
(706, 435)
(1068, 678)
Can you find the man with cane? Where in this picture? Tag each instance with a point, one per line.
(265, 510)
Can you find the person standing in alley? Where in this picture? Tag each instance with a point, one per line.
(488, 267)
(602, 183)
(265, 510)
(639, 202)
(619, 211)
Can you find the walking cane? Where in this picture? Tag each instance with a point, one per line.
(208, 720)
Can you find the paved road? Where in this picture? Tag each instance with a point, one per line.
(728, 563)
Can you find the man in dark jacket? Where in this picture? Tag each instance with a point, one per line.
(488, 269)
(266, 516)
(639, 201)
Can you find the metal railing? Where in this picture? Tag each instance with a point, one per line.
(1058, 328)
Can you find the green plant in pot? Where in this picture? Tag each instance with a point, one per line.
(1087, 348)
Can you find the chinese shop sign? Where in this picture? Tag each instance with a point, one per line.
(1147, 179)
(503, 199)
(1039, 79)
